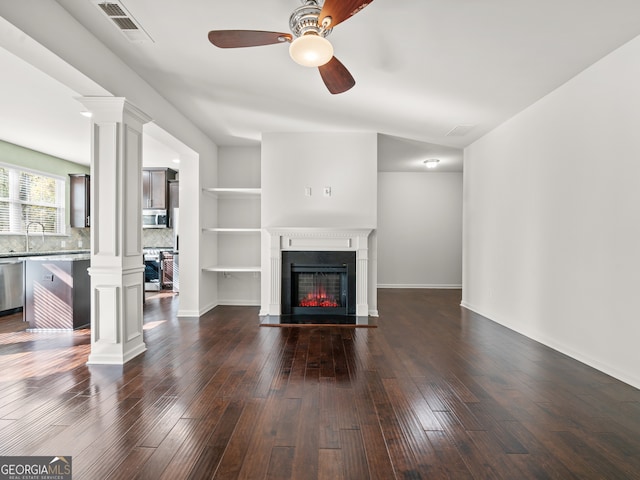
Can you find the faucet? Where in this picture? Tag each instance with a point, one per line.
(26, 233)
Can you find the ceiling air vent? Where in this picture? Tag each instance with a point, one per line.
(112, 9)
(122, 19)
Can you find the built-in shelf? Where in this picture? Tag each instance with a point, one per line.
(231, 196)
(233, 191)
(222, 268)
(232, 230)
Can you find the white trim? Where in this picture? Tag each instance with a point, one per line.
(632, 380)
(196, 313)
(239, 303)
(410, 285)
(280, 239)
(235, 269)
(34, 171)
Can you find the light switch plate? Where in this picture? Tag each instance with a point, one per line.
(327, 191)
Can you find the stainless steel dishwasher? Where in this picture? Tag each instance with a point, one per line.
(11, 285)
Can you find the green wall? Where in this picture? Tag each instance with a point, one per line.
(25, 157)
(31, 159)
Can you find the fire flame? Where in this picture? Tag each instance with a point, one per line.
(318, 298)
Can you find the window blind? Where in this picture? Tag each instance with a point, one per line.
(30, 197)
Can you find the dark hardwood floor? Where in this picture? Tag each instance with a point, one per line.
(433, 392)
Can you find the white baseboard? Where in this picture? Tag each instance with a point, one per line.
(441, 286)
(628, 377)
(197, 313)
(239, 303)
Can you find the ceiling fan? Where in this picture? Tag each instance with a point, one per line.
(309, 25)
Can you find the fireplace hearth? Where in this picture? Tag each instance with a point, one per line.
(318, 283)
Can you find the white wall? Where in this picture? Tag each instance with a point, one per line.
(552, 218)
(87, 63)
(346, 162)
(239, 167)
(419, 230)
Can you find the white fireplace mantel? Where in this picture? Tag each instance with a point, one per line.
(277, 240)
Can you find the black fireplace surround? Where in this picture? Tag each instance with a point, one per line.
(334, 292)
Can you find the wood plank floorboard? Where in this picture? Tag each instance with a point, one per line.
(433, 392)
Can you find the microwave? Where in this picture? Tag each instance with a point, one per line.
(154, 218)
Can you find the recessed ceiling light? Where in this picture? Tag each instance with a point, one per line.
(176, 160)
(431, 162)
(87, 114)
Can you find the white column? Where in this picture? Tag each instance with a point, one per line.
(362, 276)
(117, 267)
(275, 276)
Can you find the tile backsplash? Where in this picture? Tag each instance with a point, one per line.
(77, 239)
(157, 237)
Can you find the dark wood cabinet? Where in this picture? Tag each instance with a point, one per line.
(155, 187)
(79, 200)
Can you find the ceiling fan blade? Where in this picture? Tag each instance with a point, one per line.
(336, 77)
(246, 38)
(341, 10)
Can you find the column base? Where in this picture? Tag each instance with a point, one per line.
(114, 355)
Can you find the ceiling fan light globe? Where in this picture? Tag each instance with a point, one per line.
(311, 50)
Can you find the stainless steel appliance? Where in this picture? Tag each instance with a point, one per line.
(11, 285)
(166, 257)
(152, 218)
(176, 250)
(152, 269)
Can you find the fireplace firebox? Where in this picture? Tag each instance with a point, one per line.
(319, 289)
(318, 283)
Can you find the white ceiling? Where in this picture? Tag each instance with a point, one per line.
(422, 68)
(39, 112)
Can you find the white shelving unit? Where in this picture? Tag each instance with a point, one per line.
(237, 245)
(231, 229)
(231, 269)
(233, 191)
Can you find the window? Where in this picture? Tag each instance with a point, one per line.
(27, 196)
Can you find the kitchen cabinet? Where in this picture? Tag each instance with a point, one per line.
(57, 292)
(79, 200)
(155, 187)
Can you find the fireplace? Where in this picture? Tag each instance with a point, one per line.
(312, 247)
(318, 283)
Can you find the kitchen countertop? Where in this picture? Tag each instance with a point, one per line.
(71, 257)
(14, 255)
